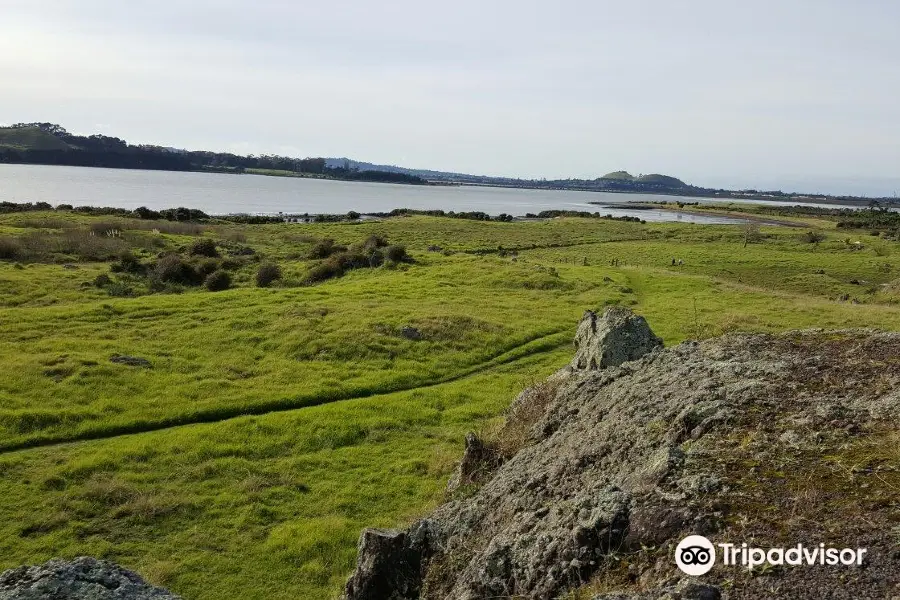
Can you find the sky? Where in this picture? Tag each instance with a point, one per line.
(801, 95)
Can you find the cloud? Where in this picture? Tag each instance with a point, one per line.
(699, 89)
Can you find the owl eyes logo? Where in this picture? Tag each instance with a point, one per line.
(695, 555)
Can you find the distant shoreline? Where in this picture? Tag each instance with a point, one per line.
(726, 195)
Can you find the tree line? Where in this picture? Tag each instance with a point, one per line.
(105, 151)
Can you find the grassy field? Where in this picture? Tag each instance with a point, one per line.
(271, 424)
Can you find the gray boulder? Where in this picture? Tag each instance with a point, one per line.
(619, 336)
(390, 564)
(84, 578)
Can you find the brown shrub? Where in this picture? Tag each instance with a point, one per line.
(172, 269)
(267, 274)
(218, 281)
(522, 415)
(10, 248)
(325, 248)
(205, 247)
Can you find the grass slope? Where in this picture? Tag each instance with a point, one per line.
(30, 138)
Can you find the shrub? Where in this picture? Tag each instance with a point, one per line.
(353, 215)
(128, 263)
(46, 223)
(375, 258)
(813, 237)
(349, 260)
(267, 274)
(323, 271)
(325, 248)
(374, 241)
(102, 280)
(231, 264)
(172, 269)
(218, 281)
(396, 254)
(78, 243)
(107, 228)
(118, 290)
(208, 267)
(204, 247)
(9, 248)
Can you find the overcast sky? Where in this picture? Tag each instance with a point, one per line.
(717, 92)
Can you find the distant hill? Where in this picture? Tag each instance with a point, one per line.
(30, 138)
(654, 179)
(664, 180)
(619, 176)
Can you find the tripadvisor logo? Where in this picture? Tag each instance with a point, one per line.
(696, 555)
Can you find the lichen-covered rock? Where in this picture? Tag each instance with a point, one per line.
(390, 563)
(683, 590)
(626, 460)
(617, 337)
(80, 579)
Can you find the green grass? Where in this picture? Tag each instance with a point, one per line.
(207, 509)
(276, 423)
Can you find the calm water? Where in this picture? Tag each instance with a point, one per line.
(228, 194)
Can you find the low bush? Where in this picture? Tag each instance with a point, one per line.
(90, 247)
(232, 264)
(102, 280)
(325, 248)
(107, 228)
(173, 269)
(218, 281)
(45, 223)
(204, 247)
(10, 249)
(374, 241)
(78, 243)
(128, 263)
(267, 274)
(119, 290)
(323, 271)
(396, 254)
(208, 267)
(813, 237)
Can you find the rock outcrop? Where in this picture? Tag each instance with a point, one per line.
(619, 337)
(391, 563)
(736, 438)
(80, 579)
